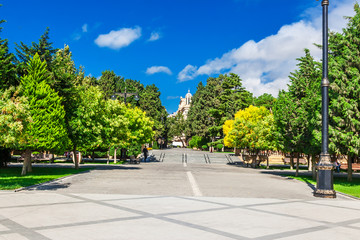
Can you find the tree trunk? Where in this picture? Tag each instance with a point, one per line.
(256, 157)
(308, 159)
(80, 157)
(27, 163)
(292, 161)
(115, 161)
(93, 156)
(349, 171)
(297, 164)
(267, 159)
(75, 158)
(313, 167)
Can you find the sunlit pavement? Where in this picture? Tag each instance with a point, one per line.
(173, 200)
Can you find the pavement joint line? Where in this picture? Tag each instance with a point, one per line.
(194, 186)
(40, 205)
(22, 230)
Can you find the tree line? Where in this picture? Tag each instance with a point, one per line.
(290, 123)
(48, 104)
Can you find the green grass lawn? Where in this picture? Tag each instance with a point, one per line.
(10, 178)
(340, 184)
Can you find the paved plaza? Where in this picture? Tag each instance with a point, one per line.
(176, 200)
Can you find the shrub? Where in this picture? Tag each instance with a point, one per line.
(197, 142)
(219, 146)
(204, 147)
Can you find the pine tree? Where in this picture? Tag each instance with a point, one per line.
(7, 68)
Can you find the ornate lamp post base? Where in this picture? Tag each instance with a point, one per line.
(324, 186)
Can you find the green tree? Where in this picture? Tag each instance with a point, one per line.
(344, 65)
(266, 100)
(7, 68)
(47, 129)
(177, 128)
(151, 104)
(297, 112)
(86, 123)
(109, 83)
(44, 48)
(14, 118)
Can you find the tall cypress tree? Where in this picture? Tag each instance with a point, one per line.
(47, 129)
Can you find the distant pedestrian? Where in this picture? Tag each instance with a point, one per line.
(146, 152)
(337, 165)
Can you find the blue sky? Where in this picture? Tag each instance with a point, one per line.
(176, 44)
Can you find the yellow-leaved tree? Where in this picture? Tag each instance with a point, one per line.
(253, 129)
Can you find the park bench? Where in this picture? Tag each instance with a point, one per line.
(355, 166)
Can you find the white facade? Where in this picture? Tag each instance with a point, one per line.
(184, 108)
(184, 105)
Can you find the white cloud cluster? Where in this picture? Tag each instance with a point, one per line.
(264, 66)
(154, 36)
(118, 39)
(158, 69)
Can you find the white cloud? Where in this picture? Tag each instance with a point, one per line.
(84, 28)
(118, 39)
(154, 36)
(265, 66)
(158, 69)
(188, 73)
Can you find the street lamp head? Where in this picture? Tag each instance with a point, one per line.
(113, 97)
(137, 98)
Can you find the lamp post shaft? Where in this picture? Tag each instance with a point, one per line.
(324, 186)
(325, 83)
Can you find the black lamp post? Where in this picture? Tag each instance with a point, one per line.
(125, 95)
(324, 186)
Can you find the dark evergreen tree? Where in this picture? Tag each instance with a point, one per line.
(44, 48)
(344, 66)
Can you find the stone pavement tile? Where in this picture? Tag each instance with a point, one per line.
(113, 197)
(2, 227)
(165, 205)
(314, 210)
(12, 236)
(48, 215)
(143, 229)
(245, 222)
(236, 202)
(103, 197)
(339, 233)
(339, 202)
(36, 198)
(356, 225)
